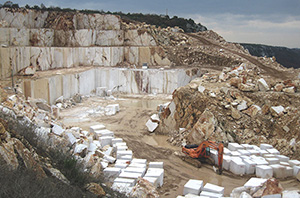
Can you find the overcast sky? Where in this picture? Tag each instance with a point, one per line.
(271, 22)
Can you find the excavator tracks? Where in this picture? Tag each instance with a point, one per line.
(192, 161)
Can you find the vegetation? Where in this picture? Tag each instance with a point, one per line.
(188, 25)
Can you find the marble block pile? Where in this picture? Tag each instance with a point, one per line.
(264, 161)
(195, 188)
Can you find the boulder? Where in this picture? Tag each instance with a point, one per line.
(277, 111)
(95, 189)
(262, 85)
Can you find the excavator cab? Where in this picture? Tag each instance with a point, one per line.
(202, 151)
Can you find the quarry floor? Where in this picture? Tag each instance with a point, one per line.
(129, 124)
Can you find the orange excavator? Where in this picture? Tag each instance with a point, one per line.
(197, 153)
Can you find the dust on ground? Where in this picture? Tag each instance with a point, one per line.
(129, 124)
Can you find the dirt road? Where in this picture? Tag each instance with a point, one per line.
(129, 124)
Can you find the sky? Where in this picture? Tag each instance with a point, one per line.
(270, 22)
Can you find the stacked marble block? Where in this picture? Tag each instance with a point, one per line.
(195, 188)
(264, 161)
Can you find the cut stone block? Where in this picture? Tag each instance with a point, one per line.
(255, 182)
(104, 164)
(272, 160)
(111, 173)
(96, 127)
(259, 161)
(266, 146)
(256, 147)
(137, 165)
(156, 165)
(157, 173)
(244, 152)
(122, 153)
(193, 186)
(294, 163)
(129, 175)
(296, 170)
(151, 125)
(136, 170)
(213, 188)
(152, 180)
(264, 171)
(131, 182)
(289, 171)
(71, 138)
(214, 155)
(290, 194)
(190, 195)
(103, 133)
(112, 109)
(254, 152)
(269, 156)
(235, 154)
(226, 151)
(58, 130)
(139, 161)
(126, 157)
(105, 141)
(234, 147)
(226, 162)
(120, 161)
(279, 171)
(250, 166)
(116, 140)
(122, 148)
(283, 158)
(110, 159)
(237, 167)
(210, 194)
(247, 146)
(263, 152)
(121, 166)
(285, 164)
(79, 148)
(273, 151)
(272, 196)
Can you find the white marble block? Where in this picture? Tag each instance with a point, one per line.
(213, 188)
(264, 171)
(235, 147)
(156, 165)
(266, 146)
(193, 186)
(237, 167)
(96, 127)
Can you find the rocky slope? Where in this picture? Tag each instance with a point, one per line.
(286, 56)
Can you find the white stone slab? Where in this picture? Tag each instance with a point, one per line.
(259, 161)
(121, 166)
(226, 151)
(285, 164)
(255, 182)
(104, 164)
(116, 140)
(210, 194)
(279, 171)
(234, 147)
(136, 170)
(250, 166)
(103, 133)
(190, 195)
(235, 154)
(269, 156)
(254, 152)
(58, 130)
(71, 137)
(109, 158)
(266, 146)
(213, 188)
(283, 158)
(289, 171)
(126, 157)
(122, 153)
(247, 146)
(137, 165)
(226, 162)
(130, 175)
(263, 152)
(272, 196)
(272, 160)
(131, 182)
(296, 170)
(79, 148)
(151, 126)
(105, 141)
(244, 152)
(264, 171)
(120, 161)
(294, 163)
(273, 151)
(290, 194)
(237, 167)
(152, 180)
(139, 161)
(193, 186)
(96, 127)
(156, 172)
(122, 148)
(156, 165)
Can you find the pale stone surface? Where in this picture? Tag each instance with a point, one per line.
(193, 186)
(255, 182)
(151, 125)
(262, 85)
(213, 188)
(264, 171)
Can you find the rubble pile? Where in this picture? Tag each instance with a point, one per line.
(235, 105)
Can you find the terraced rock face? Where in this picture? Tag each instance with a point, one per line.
(233, 105)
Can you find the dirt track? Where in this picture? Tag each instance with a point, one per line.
(129, 124)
